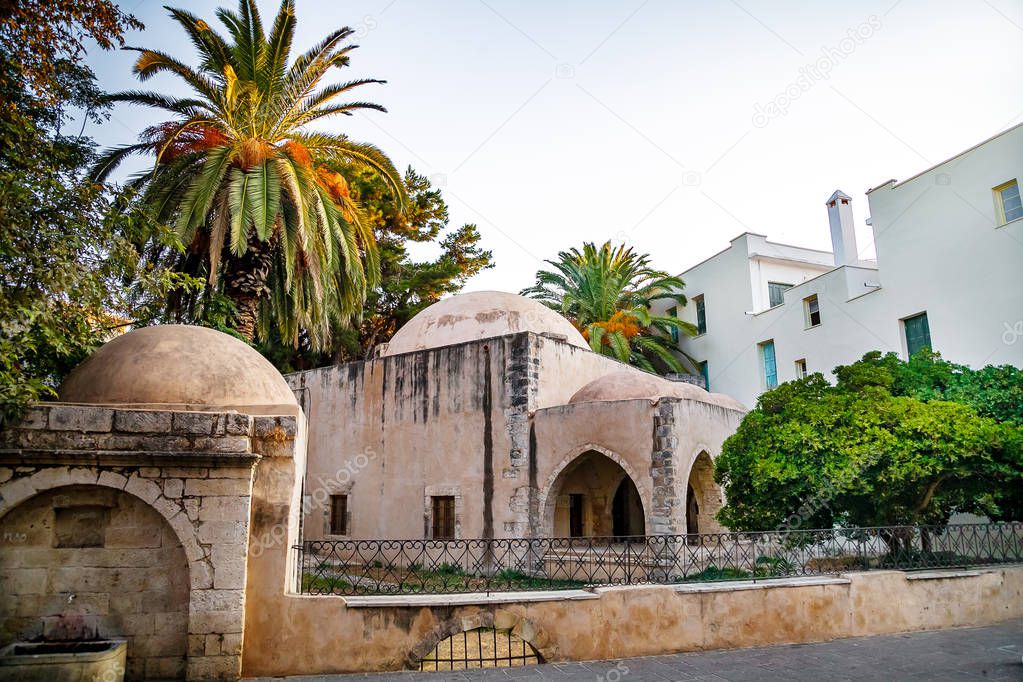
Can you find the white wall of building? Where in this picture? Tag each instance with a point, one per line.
(940, 250)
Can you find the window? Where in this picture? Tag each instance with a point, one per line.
(800, 368)
(701, 315)
(769, 363)
(673, 312)
(339, 515)
(812, 311)
(918, 333)
(575, 515)
(776, 292)
(705, 373)
(444, 517)
(1007, 202)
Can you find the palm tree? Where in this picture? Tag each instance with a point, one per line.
(607, 293)
(257, 198)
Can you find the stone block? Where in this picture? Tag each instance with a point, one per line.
(231, 644)
(223, 532)
(149, 472)
(52, 477)
(142, 488)
(217, 600)
(34, 418)
(197, 423)
(217, 487)
(227, 444)
(196, 645)
(229, 567)
(132, 421)
(82, 476)
(5, 474)
(237, 424)
(215, 508)
(192, 509)
(214, 668)
(205, 622)
(23, 581)
(112, 479)
(282, 427)
(173, 487)
(74, 418)
(505, 619)
(212, 645)
(200, 576)
(17, 491)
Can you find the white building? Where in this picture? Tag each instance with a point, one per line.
(948, 274)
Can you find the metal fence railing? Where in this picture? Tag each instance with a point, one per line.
(375, 567)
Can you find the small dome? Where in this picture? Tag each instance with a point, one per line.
(479, 315)
(180, 367)
(638, 385)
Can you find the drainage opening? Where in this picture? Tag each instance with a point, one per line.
(480, 648)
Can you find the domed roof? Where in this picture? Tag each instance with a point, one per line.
(479, 315)
(180, 367)
(638, 385)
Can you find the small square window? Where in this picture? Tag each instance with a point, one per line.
(812, 311)
(339, 515)
(443, 517)
(1007, 202)
(801, 368)
(776, 292)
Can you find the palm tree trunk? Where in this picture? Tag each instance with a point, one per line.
(245, 283)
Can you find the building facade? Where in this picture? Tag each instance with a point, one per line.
(948, 275)
(488, 416)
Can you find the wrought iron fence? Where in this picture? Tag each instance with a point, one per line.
(380, 567)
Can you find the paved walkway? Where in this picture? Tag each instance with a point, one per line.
(988, 653)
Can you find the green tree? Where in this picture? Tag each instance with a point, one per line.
(607, 293)
(64, 253)
(406, 285)
(259, 199)
(857, 453)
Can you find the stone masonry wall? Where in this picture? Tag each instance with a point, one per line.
(84, 561)
(194, 469)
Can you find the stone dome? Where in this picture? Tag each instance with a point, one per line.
(638, 385)
(479, 315)
(180, 367)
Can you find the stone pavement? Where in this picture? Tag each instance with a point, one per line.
(987, 653)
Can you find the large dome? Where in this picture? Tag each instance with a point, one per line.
(180, 367)
(479, 315)
(638, 385)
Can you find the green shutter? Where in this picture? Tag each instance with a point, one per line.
(770, 365)
(918, 333)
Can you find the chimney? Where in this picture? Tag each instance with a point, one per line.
(843, 235)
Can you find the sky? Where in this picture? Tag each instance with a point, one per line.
(673, 126)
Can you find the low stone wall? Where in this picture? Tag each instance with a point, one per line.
(312, 635)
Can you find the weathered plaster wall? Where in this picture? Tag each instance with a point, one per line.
(84, 561)
(193, 469)
(454, 420)
(310, 635)
(656, 444)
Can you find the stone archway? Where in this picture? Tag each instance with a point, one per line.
(593, 494)
(518, 625)
(87, 561)
(703, 497)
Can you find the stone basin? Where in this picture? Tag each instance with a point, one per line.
(102, 660)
